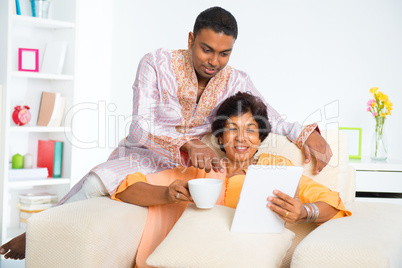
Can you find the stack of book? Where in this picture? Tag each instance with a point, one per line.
(34, 203)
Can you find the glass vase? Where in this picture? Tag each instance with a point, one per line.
(378, 141)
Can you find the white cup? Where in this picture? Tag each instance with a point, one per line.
(205, 192)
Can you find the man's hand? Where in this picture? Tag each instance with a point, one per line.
(202, 156)
(317, 146)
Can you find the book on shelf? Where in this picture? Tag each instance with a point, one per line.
(35, 207)
(24, 216)
(53, 60)
(16, 7)
(51, 110)
(38, 199)
(50, 156)
(23, 7)
(28, 174)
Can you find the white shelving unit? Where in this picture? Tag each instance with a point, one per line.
(25, 88)
(378, 181)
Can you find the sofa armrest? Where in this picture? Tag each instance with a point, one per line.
(371, 237)
(97, 232)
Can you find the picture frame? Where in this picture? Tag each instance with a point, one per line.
(354, 135)
(28, 60)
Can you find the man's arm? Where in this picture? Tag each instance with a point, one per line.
(146, 128)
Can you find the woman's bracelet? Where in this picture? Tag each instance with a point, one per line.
(316, 212)
(312, 212)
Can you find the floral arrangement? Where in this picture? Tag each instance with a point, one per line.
(379, 107)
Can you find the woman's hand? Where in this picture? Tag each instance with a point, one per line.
(178, 191)
(202, 156)
(289, 209)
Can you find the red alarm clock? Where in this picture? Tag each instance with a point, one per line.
(21, 116)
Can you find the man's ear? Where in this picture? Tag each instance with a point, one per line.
(190, 40)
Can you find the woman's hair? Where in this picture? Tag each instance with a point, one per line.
(237, 105)
(217, 19)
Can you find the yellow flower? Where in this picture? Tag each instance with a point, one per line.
(388, 104)
(373, 90)
(379, 95)
(383, 98)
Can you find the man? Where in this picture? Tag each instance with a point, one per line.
(176, 94)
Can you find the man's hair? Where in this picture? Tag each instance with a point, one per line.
(240, 104)
(216, 19)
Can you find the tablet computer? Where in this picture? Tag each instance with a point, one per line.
(252, 214)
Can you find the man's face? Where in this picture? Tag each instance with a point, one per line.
(211, 52)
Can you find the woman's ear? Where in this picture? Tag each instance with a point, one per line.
(220, 140)
(220, 143)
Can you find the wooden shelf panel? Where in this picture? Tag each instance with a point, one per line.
(40, 129)
(41, 23)
(43, 182)
(38, 75)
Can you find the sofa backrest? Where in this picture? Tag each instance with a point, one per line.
(337, 175)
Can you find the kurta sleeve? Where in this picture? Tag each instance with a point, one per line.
(295, 132)
(151, 113)
(130, 180)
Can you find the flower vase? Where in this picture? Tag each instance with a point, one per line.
(378, 141)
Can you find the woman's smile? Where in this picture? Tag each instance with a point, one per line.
(240, 137)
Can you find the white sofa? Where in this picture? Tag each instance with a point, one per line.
(105, 233)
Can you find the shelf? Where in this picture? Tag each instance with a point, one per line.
(41, 23)
(38, 75)
(40, 129)
(21, 87)
(43, 182)
(367, 164)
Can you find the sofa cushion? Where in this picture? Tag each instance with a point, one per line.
(97, 232)
(370, 238)
(202, 238)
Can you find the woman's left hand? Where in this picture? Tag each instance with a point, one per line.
(288, 208)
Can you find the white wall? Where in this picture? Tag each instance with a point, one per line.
(302, 55)
(93, 82)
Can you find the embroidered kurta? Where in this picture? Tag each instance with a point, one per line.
(162, 218)
(166, 116)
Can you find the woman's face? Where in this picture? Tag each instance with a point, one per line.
(240, 137)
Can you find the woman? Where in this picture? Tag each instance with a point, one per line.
(240, 125)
